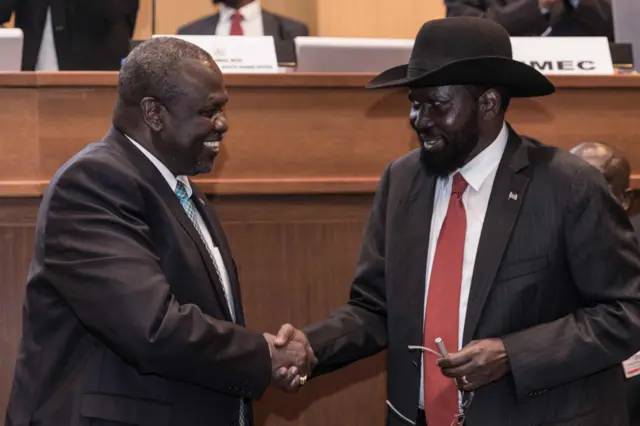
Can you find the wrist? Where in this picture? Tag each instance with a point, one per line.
(266, 338)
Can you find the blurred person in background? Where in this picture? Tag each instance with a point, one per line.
(615, 168)
(245, 17)
(561, 18)
(72, 35)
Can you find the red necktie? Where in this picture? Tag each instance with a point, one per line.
(236, 28)
(443, 307)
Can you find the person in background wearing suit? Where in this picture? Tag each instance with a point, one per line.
(133, 311)
(245, 17)
(616, 169)
(71, 34)
(513, 252)
(562, 18)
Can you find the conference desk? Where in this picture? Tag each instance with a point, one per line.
(293, 187)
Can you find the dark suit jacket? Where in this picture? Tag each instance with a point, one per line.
(88, 34)
(557, 277)
(125, 319)
(523, 17)
(633, 384)
(279, 27)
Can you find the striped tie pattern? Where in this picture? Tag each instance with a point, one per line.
(190, 209)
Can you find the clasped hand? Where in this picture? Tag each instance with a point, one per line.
(292, 358)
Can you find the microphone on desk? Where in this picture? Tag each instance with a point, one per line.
(153, 17)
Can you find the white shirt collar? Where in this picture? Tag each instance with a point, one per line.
(166, 173)
(251, 11)
(476, 171)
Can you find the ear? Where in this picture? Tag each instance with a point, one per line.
(627, 199)
(489, 104)
(152, 112)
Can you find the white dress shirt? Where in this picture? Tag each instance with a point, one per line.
(47, 56)
(479, 173)
(251, 24)
(204, 231)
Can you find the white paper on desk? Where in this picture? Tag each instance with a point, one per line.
(237, 55)
(632, 366)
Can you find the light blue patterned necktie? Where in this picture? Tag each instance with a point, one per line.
(190, 209)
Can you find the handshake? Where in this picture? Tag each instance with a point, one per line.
(292, 358)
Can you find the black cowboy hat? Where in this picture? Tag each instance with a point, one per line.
(465, 51)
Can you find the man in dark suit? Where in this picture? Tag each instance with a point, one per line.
(562, 18)
(616, 169)
(513, 253)
(73, 34)
(245, 17)
(133, 312)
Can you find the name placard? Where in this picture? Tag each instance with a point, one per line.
(564, 55)
(234, 54)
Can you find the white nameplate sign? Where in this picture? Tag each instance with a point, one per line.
(564, 55)
(235, 54)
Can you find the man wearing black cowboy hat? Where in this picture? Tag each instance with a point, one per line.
(511, 254)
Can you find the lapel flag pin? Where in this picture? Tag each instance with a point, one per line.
(513, 196)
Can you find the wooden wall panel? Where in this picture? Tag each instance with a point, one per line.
(17, 219)
(376, 18)
(171, 14)
(327, 18)
(294, 187)
(295, 133)
(296, 257)
(21, 149)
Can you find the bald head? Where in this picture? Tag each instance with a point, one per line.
(613, 164)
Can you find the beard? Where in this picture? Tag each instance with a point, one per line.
(204, 164)
(203, 167)
(451, 157)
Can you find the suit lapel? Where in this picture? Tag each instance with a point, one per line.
(414, 252)
(270, 25)
(155, 178)
(217, 234)
(178, 211)
(215, 19)
(509, 189)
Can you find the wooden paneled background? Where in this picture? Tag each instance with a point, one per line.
(327, 18)
(293, 187)
(296, 256)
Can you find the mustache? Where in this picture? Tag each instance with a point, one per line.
(426, 133)
(430, 136)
